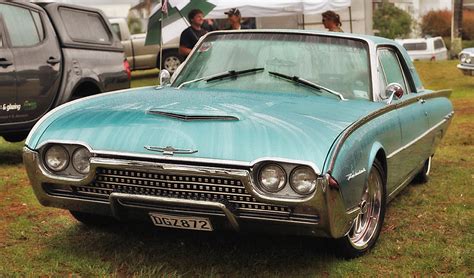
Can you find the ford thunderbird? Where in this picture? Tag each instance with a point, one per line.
(292, 132)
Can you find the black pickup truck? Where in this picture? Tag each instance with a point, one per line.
(50, 54)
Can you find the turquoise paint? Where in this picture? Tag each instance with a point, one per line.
(289, 125)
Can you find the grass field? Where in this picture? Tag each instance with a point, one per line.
(428, 229)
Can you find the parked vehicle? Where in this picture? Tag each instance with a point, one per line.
(141, 56)
(311, 134)
(425, 48)
(45, 61)
(466, 58)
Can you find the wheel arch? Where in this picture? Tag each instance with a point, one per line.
(84, 88)
(377, 152)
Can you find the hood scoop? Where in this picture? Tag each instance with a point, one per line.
(192, 116)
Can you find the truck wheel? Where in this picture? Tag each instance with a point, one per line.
(93, 220)
(171, 61)
(16, 137)
(368, 224)
(424, 175)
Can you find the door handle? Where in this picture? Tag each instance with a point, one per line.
(53, 61)
(4, 63)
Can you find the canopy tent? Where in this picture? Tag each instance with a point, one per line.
(269, 8)
(174, 18)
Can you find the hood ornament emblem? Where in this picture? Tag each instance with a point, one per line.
(170, 150)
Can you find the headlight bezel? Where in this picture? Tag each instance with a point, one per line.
(287, 192)
(70, 170)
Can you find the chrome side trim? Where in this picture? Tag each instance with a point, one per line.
(446, 118)
(331, 161)
(116, 197)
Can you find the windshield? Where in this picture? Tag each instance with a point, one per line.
(340, 64)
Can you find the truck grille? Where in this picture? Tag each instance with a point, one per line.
(179, 186)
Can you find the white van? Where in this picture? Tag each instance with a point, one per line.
(432, 49)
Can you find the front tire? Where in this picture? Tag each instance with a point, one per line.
(368, 223)
(93, 220)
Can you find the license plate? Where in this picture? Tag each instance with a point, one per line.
(179, 222)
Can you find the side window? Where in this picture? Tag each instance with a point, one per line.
(92, 28)
(438, 44)
(116, 29)
(21, 26)
(391, 69)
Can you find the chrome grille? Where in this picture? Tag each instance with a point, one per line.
(179, 186)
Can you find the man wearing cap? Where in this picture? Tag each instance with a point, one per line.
(235, 19)
(191, 35)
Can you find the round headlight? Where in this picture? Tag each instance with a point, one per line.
(303, 180)
(272, 178)
(81, 160)
(56, 158)
(468, 60)
(463, 58)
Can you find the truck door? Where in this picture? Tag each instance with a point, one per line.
(7, 80)
(37, 57)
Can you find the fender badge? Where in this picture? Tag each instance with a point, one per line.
(170, 150)
(355, 174)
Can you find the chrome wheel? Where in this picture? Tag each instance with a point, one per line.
(171, 63)
(366, 224)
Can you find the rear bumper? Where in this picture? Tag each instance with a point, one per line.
(324, 215)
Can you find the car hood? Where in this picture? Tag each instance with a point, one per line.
(468, 50)
(224, 125)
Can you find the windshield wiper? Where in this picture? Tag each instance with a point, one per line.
(308, 83)
(222, 75)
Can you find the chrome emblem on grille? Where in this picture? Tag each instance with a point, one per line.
(170, 150)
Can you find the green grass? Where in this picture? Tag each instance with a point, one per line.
(428, 229)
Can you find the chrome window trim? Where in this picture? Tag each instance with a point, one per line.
(331, 160)
(405, 80)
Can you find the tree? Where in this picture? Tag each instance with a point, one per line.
(436, 23)
(392, 22)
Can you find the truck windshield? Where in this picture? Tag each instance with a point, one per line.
(340, 64)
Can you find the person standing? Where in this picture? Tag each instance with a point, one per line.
(332, 21)
(235, 19)
(191, 35)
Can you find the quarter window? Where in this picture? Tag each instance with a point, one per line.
(415, 46)
(85, 27)
(22, 25)
(392, 72)
(438, 44)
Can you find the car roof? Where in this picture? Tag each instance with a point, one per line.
(372, 39)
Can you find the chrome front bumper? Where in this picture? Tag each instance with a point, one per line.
(322, 215)
(467, 70)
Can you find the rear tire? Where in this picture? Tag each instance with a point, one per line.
(367, 225)
(93, 220)
(424, 175)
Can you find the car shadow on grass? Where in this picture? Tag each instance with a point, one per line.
(11, 155)
(139, 248)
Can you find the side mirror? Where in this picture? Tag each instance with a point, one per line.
(394, 91)
(165, 78)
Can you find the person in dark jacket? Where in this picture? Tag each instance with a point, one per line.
(190, 36)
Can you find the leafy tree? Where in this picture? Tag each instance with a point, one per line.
(392, 22)
(436, 23)
(135, 25)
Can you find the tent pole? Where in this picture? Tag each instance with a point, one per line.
(350, 18)
(161, 38)
(304, 24)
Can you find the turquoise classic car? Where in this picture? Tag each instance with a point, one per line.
(293, 132)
